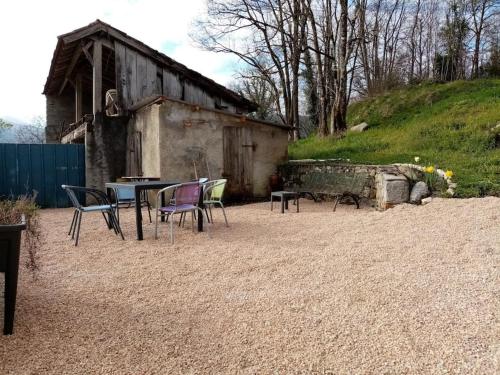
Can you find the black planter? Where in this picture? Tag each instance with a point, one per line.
(10, 241)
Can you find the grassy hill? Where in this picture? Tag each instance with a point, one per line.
(448, 125)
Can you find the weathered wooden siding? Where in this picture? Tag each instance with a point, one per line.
(195, 95)
(136, 76)
(139, 77)
(173, 86)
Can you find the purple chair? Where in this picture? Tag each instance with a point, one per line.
(184, 199)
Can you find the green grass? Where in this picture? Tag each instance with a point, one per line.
(447, 125)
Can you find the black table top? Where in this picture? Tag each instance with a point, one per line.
(142, 184)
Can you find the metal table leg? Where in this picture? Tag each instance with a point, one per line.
(138, 214)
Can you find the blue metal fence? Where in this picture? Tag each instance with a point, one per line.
(41, 167)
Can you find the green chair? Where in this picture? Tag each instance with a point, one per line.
(213, 192)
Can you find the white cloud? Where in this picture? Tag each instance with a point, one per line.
(29, 30)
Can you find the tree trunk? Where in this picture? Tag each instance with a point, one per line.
(339, 112)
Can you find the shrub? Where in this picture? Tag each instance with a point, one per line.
(12, 212)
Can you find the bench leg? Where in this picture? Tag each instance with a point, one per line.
(271, 202)
(337, 200)
(297, 200)
(356, 200)
(282, 205)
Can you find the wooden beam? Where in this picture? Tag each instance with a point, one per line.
(78, 98)
(105, 42)
(76, 134)
(97, 82)
(84, 32)
(85, 50)
(70, 68)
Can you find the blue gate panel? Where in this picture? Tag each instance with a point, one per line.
(42, 168)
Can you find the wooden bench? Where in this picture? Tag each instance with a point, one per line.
(341, 186)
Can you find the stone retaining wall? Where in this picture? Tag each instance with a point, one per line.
(369, 181)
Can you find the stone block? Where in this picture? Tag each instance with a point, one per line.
(420, 190)
(391, 190)
(359, 128)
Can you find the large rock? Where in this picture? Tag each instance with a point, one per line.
(420, 190)
(391, 190)
(360, 127)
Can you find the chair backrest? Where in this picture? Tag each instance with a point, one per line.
(217, 189)
(187, 193)
(125, 193)
(96, 195)
(72, 196)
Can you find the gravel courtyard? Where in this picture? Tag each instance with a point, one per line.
(413, 290)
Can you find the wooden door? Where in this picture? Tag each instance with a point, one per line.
(238, 162)
(135, 154)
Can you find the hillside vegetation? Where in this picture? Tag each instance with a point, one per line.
(447, 125)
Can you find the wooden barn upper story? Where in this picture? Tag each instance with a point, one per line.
(98, 69)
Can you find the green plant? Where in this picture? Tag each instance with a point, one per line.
(12, 211)
(431, 177)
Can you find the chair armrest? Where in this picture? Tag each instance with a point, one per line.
(163, 191)
(207, 188)
(100, 196)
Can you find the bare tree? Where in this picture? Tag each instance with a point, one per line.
(450, 64)
(268, 35)
(380, 30)
(481, 11)
(326, 50)
(333, 39)
(252, 85)
(32, 133)
(342, 54)
(321, 41)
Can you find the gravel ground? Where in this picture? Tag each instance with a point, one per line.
(413, 290)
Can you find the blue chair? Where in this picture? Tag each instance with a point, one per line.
(102, 204)
(126, 196)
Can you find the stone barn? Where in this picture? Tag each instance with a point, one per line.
(139, 112)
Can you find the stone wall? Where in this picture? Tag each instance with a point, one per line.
(384, 185)
(60, 110)
(105, 151)
(179, 136)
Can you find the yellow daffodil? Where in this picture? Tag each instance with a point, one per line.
(448, 173)
(429, 169)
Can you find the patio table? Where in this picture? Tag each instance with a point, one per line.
(140, 186)
(284, 196)
(141, 178)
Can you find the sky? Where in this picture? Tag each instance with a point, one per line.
(29, 30)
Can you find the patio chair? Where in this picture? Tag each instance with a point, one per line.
(184, 200)
(103, 205)
(126, 196)
(202, 181)
(214, 190)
